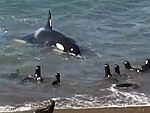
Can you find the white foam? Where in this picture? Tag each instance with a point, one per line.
(133, 97)
(58, 51)
(117, 98)
(13, 109)
(20, 41)
(85, 101)
(72, 54)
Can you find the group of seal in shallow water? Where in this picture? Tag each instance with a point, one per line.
(117, 76)
(37, 77)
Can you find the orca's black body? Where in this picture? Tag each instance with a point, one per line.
(48, 37)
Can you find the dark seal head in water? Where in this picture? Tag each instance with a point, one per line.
(48, 37)
(130, 68)
(109, 76)
(37, 74)
(48, 109)
(117, 72)
(146, 66)
(143, 68)
(57, 81)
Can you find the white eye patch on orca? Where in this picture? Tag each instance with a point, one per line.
(71, 49)
(60, 46)
(36, 33)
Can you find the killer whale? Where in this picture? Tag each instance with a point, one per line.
(51, 38)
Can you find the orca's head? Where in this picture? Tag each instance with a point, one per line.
(73, 49)
(70, 48)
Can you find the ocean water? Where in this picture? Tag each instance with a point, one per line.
(107, 31)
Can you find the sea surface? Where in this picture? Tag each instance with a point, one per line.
(107, 31)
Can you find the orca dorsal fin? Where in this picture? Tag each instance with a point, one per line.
(49, 21)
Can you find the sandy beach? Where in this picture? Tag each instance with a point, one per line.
(142, 109)
(136, 109)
